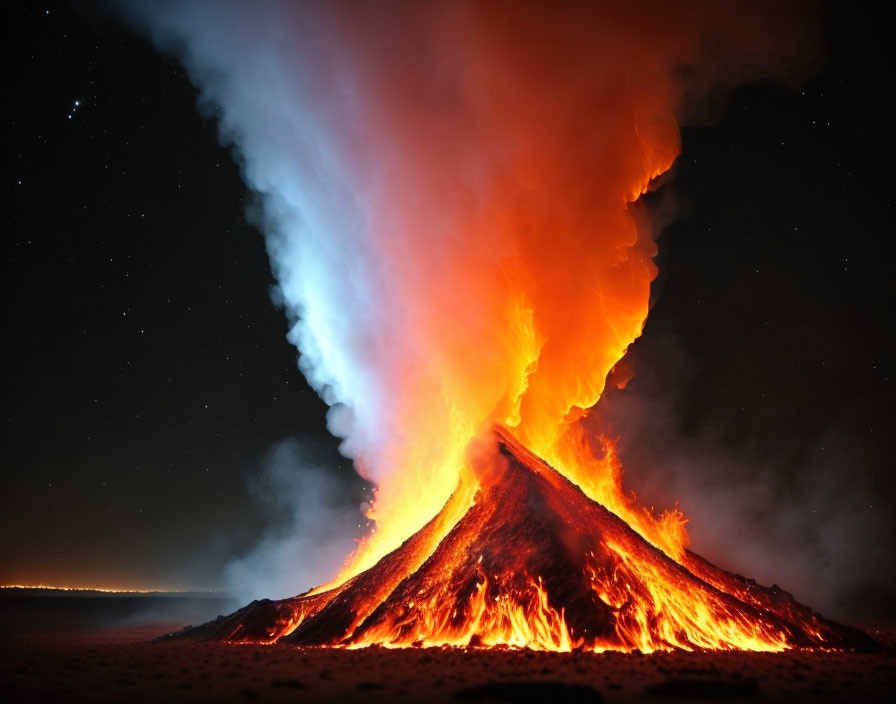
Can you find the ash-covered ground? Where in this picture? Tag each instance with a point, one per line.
(72, 650)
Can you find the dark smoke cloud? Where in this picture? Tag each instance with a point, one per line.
(811, 515)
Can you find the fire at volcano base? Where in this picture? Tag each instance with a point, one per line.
(533, 562)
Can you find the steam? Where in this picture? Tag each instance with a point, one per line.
(311, 526)
(449, 199)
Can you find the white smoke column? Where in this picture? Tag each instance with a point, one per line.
(272, 76)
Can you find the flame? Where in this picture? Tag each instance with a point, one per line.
(495, 614)
(514, 611)
(601, 480)
(652, 614)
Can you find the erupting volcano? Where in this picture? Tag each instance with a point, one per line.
(533, 562)
(451, 196)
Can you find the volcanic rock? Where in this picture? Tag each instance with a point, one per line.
(534, 562)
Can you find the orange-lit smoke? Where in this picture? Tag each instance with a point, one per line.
(452, 201)
(507, 146)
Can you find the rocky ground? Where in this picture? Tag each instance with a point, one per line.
(78, 661)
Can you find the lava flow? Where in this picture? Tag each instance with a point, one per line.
(528, 560)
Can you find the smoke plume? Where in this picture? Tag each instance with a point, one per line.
(311, 525)
(450, 199)
(814, 523)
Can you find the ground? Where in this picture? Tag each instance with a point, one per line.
(72, 659)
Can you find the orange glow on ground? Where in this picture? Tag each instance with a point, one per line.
(107, 590)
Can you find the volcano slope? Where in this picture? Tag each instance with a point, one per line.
(533, 562)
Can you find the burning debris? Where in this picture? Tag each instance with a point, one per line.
(533, 562)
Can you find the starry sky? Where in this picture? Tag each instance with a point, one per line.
(146, 372)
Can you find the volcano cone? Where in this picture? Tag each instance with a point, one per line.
(533, 562)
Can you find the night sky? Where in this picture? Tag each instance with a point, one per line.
(146, 372)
